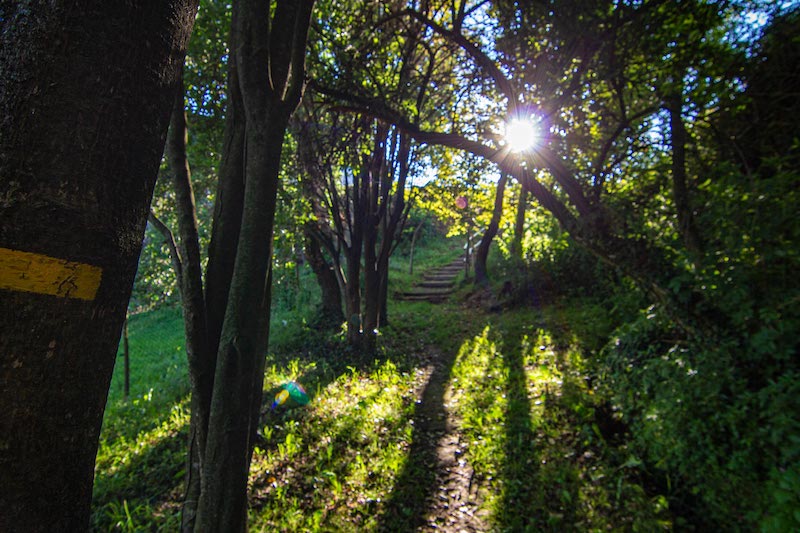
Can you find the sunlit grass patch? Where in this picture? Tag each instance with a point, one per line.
(530, 421)
(141, 454)
(332, 462)
(355, 458)
(158, 374)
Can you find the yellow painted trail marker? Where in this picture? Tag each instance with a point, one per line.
(29, 272)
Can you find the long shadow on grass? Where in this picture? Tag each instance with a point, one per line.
(540, 470)
(521, 461)
(533, 482)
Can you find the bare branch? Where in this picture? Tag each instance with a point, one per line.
(169, 239)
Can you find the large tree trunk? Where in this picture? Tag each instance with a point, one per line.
(482, 253)
(85, 95)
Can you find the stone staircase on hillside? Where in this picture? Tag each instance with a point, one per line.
(435, 286)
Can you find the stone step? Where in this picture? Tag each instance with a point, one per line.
(414, 297)
(436, 284)
(443, 272)
(441, 279)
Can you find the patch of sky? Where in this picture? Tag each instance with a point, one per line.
(748, 18)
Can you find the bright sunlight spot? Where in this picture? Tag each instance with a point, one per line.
(521, 134)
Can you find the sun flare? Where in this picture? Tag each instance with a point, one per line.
(521, 134)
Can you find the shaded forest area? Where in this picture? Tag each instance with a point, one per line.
(618, 179)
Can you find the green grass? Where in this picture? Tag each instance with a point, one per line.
(353, 459)
(332, 462)
(531, 421)
(142, 443)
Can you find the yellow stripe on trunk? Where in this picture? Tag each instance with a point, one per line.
(28, 272)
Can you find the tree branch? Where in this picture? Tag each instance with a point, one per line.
(479, 56)
(169, 239)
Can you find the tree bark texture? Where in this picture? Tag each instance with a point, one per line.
(353, 259)
(85, 94)
(519, 223)
(270, 56)
(371, 220)
(326, 277)
(187, 258)
(482, 253)
(221, 256)
(229, 203)
(394, 215)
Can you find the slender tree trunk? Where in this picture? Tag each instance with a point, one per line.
(126, 390)
(392, 220)
(190, 281)
(468, 248)
(482, 253)
(237, 383)
(326, 277)
(79, 154)
(680, 190)
(219, 269)
(353, 293)
(353, 289)
(228, 206)
(383, 292)
(519, 222)
(370, 221)
(270, 61)
(413, 243)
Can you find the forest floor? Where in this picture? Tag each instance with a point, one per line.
(475, 416)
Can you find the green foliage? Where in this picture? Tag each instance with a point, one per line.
(700, 416)
(552, 266)
(468, 177)
(689, 415)
(155, 284)
(432, 250)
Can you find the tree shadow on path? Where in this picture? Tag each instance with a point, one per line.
(420, 488)
(406, 508)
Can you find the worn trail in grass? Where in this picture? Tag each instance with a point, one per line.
(447, 498)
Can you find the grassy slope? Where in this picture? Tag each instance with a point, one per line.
(518, 382)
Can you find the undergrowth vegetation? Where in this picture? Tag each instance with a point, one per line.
(633, 367)
(540, 438)
(354, 459)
